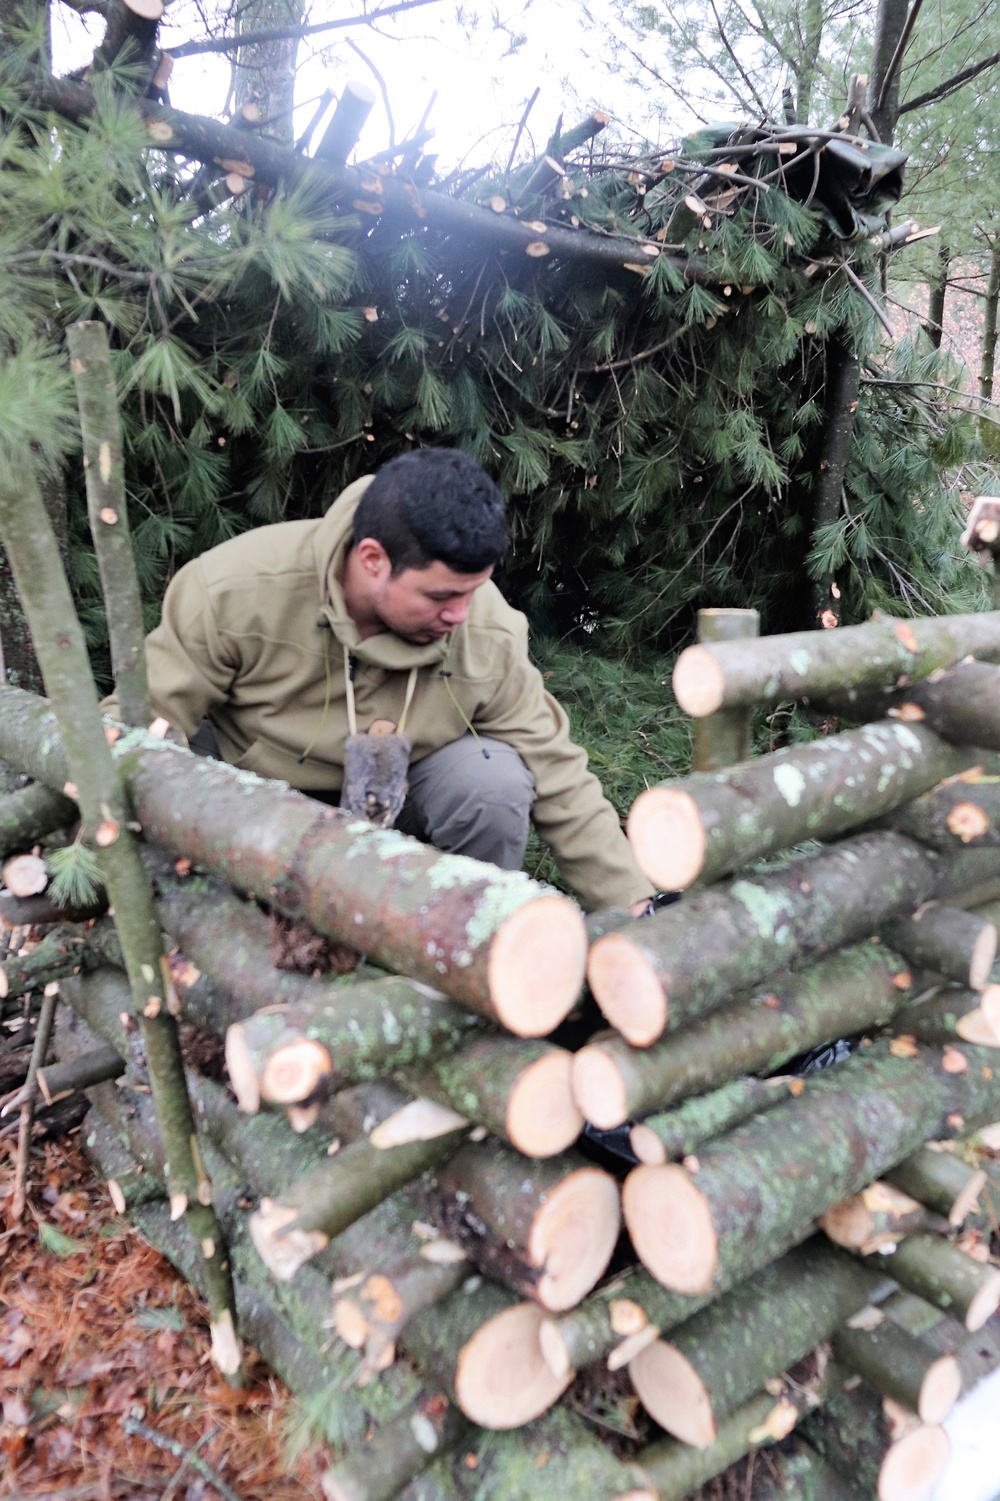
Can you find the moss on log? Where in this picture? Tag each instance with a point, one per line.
(850, 991)
(676, 1133)
(707, 825)
(495, 940)
(31, 812)
(814, 664)
(758, 1190)
(546, 1228)
(718, 1359)
(685, 961)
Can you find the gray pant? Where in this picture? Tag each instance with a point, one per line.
(459, 800)
(466, 802)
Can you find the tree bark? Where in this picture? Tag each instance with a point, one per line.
(95, 1067)
(962, 704)
(98, 788)
(987, 364)
(30, 813)
(878, 1218)
(964, 813)
(37, 911)
(705, 826)
(954, 1015)
(946, 940)
(495, 940)
(724, 739)
(104, 467)
(60, 953)
(843, 385)
(717, 1360)
(546, 1228)
(672, 968)
(934, 1269)
(900, 1366)
(849, 1126)
(678, 1133)
(808, 664)
(937, 295)
(853, 1432)
(853, 990)
(265, 72)
(941, 1181)
(397, 1452)
(890, 27)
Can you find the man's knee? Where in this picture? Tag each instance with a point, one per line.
(474, 797)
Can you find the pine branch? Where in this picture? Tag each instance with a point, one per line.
(288, 33)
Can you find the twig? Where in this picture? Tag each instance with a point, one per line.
(520, 130)
(381, 83)
(172, 1484)
(288, 33)
(858, 284)
(134, 1429)
(42, 1034)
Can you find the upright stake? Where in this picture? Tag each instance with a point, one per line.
(723, 739)
(105, 473)
(27, 535)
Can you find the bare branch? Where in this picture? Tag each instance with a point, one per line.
(897, 56)
(950, 85)
(289, 33)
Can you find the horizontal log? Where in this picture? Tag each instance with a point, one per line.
(34, 911)
(900, 1366)
(877, 1219)
(853, 990)
(963, 812)
(686, 960)
(961, 704)
(546, 1228)
(709, 824)
(954, 1014)
(720, 1357)
(811, 664)
(705, 1230)
(494, 940)
(396, 1452)
(633, 1308)
(677, 1133)
(60, 953)
(943, 1182)
(934, 1269)
(30, 813)
(372, 1314)
(946, 940)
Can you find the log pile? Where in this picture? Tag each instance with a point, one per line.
(394, 1163)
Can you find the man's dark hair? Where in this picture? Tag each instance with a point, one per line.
(434, 505)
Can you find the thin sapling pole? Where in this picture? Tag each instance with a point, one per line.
(723, 739)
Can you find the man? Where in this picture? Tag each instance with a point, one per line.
(384, 607)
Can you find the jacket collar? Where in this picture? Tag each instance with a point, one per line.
(333, 537)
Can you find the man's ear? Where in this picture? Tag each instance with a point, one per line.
(373, 557)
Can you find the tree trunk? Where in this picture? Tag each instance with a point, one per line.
(707, 825)
(806, 664)
(853, 990)
(937, 293)
(672, 968)
(495, 940)
(718, 1359)
(678, 1133)
(724, 739)
(757, 1190)
(843, 385)
(890, 22)
(962, 704)
(946, 940)
(986, 367)
(545, 1228)
(265, 72)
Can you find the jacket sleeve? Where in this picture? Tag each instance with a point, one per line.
(189, 663)
(571, 812)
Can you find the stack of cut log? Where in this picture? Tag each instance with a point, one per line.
(396, 1167)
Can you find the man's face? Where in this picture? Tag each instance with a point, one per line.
(424, 604)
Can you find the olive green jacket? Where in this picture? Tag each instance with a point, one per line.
(252, 635)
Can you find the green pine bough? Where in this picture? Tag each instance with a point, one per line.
(756, 1191)
(93, 780)
(500, 943)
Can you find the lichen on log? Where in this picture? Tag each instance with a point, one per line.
(677, 1133)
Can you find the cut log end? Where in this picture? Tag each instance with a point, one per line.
(667, 837)
(976, 1027)
(242, 1074)
(985, 1303)
(939, 1390)
(914, 1465)
(26, 875)
(149, 10)
(283, 1249)
(626, 988)
(573, 1235)
(295, 1071)
(967, 1199)
(647, 1146)
(501, 1379)
(699, 682)
(984, 952)
(599, 1089)
(673, 1393)
(542, 1119)
(350, 1322)
(554, 1351)
(671, 1226)
(227, 1353)
(536, 965)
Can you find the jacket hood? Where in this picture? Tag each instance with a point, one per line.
(386, 650)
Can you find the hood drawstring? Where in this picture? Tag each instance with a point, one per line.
(444, 676)
(352, 713)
